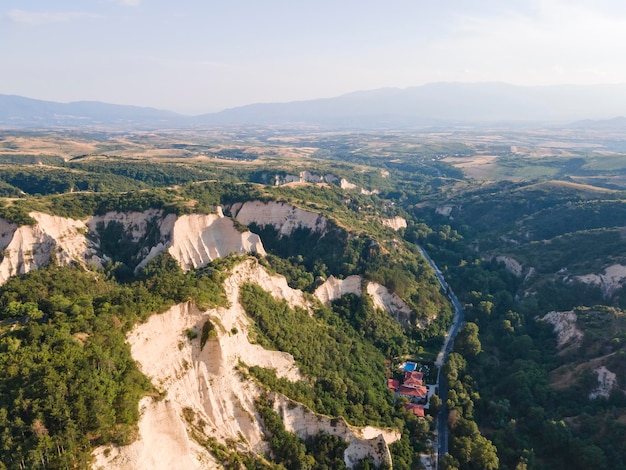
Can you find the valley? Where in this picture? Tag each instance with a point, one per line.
(239, 297)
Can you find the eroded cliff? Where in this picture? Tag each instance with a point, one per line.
(206, 393)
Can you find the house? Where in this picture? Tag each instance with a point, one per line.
(413, 393)
(393, 384)
(417, 410)
(413, 379)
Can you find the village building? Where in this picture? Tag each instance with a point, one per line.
(417, 410)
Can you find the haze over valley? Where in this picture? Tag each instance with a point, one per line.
(313, 236)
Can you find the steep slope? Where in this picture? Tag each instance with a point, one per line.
(208, 396)
(285, 218)
(193, 240)
(31, 246)
(334, 288)
(199, 239)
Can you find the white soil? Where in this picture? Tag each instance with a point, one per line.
(208, 383)
(382, 298)
(345, 184)
(199, 239)
(334, 288)
(444, 210)
(368, 441)
(29, 247)
(606, 382)
(565, 328)
(283, 217)
(511, 264)
(395, 223)
(609, 282)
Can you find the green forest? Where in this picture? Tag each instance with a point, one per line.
(516, 399)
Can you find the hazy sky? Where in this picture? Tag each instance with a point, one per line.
(196, 56)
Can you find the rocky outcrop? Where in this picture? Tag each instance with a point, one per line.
(565, 328)
(382, 298)
(610, 281)
(334, 288)
(194, 240)
(446, 211)
(511, 264)
(391, 302)
(345, 184)
(198, 239)
(30, 247)
(395, 223)
(284, 217)
(135, 224)
(362, 442)
(607, 380)
(206, 393)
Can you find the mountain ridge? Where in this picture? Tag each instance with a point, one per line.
(426, 105)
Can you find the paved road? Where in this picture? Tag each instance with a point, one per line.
(457, 321)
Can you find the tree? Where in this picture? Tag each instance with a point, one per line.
(467, 342)
(435, 404)
(483, 455)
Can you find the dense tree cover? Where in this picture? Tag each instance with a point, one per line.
(23, 159)
(150, 173)
(43, 181)
(320, 452)
(67, 380)
(305, 255)
(347, 371)
(508, 381)
(349, 374)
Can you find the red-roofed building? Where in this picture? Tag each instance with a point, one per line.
(417, 410)
(393, 384)
(413, 393)
(413, 383)
(413, 375)
(413, 379)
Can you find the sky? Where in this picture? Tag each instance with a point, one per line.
(199, 56)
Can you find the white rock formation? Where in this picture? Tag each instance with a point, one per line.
(511, 264)
(382, 298)
(198, 239)
(391, 302)
(334, 288)
(444, 210)
(308, 177)
(194, 240)
(207, 394)
(606, 381)
(363, 442)
(345, 184)
(565, 328)
(395, 223)
(283, 217)
(609, 282)
(135, 223)
(31, 246)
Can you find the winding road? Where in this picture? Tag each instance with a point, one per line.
(442, 418)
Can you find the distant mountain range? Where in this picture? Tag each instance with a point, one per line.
(427, 105)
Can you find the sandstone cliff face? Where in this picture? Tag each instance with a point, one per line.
(285, 218)
(193, 240)
(362, 442)
(31, 246)
(568, 333)
(610, 281)
(382, 298)
(395, 223)
(208, 396)
(198, 239)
